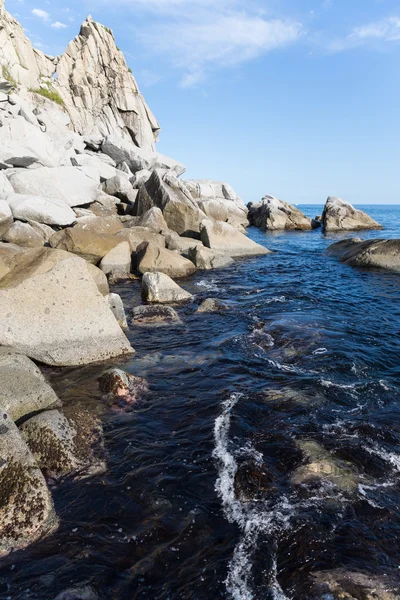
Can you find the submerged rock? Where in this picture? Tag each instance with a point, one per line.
(323, 466)
(341, 584)
(26, 507)
(211, 305)
(155, 316)
(274, 214)
(159, 288)
(78, 593)
(382, 254)
(253, 482)
(339, 215)
(122, 390)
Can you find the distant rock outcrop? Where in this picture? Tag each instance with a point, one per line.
(91, 79)
(274, 214)
(339, 215)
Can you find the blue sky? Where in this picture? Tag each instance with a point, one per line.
(299, 99)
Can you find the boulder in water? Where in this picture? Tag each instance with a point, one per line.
(381, 254)
(159, 288)
(341, 584)
(339, 215)
(225, 239)
(274, 214)
(212, 305)
(122, 390)
(206, 259)
(155, 316)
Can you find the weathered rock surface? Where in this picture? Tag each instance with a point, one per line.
(65, 444)
(50, 211)
(274, 214)
(117, 262)
(151, 259)
(165, 191)
(155, 316)
(58, 317)
(181, 244)
(340, 584)
(23, 234)
(339, 215)
(99, 278)
(153, 219)
(121, 188)
(24, 390)
(139, 159)
(75, 186)
(5, 186)
(26, 507)
(91, 246)
(225, 239)
(116, 305)
(6, 217)
(381, 254)
(218, 201)
(159, 288)
(206, 259)
(122, 390)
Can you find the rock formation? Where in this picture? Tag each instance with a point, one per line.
(381, 254)
(274, 214)
(339, 215)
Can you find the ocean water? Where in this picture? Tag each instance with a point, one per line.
(199, 501)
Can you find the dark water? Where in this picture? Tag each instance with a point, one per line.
(227, 399)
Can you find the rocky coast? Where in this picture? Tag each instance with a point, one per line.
(87, 204)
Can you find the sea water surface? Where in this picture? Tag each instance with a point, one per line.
(198, 501)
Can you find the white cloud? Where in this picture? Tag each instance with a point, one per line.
(41, 14)
(218, 40)
(58, 25)
(386, 30)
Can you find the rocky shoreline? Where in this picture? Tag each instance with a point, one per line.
(85, 202)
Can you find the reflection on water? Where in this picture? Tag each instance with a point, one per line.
(268, 448)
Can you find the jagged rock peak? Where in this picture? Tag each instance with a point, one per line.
(97, 88)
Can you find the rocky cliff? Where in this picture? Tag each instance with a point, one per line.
(91, 77)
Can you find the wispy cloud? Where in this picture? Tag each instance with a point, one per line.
(58, 25)
(41, 14)
(385, 30)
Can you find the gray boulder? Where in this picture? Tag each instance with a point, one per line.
(181, 244)
(116, 305)
(206, 259)
(26, 508)
(159, 288)
(139, 159)
(219, 201)
(120, 187)
(339, 215)
(75, 186)
(76, 326)
(225, 239)
(152, 259)
(24, 390)
(153, 219)
(6, 218)
(5, 186)
(50, 211)
(165, 191)
(380, 254)
(274, 214)
(117, 262)
(23, 234)
(155, 316)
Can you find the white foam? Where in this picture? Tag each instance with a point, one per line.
(210, 285)
(320, 351)
(342, 386)
(390, 457)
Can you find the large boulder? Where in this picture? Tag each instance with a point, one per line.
(152, 259)
(139, 159)
(26, 507)
(65, 443)
(381, 254)
(91, 246)
(24, 390)
(120, 187)
(218, 201)
(153, 219)
(117, 262)
(5, 186)
(225, 239)
(75, 186)
(50, 211)
(23, 234)
(137, 235)
(181, 244)
(206, 259)
(159, 288)
(274, 214)
(339, 215)
(165, 191)
(55, 314)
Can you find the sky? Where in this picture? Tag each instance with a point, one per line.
(299, 99)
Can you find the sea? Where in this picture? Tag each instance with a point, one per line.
(206, 495)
